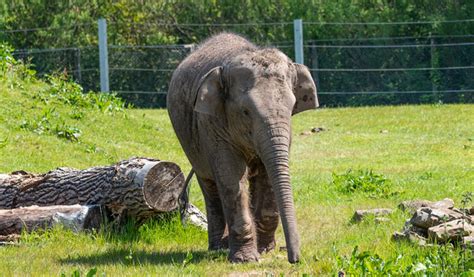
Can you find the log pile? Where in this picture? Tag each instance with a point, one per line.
(137, 188)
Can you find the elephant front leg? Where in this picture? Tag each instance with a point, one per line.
(264, 207)
(216, 229)
(230, 173)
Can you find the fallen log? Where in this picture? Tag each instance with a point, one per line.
(139, 188)
(74, 217)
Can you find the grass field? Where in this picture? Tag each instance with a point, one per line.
(424, 151)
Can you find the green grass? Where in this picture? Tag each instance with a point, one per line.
(427, 152)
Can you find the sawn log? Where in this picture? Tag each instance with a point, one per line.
(139, 188)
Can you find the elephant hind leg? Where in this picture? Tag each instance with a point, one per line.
(264, 207)
(217, 230)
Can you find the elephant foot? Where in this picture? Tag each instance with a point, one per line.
(244, 256)
(220, 245)
(264, 247)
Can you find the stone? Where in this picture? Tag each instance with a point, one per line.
(359, 215)
(429, 217)
(413, 205)
(318, 129)
(409, 236)
(384, 131)
(446, 203)
(305, 133)
(452, 230)
(418, 230)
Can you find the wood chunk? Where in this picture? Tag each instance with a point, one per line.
(74, 217)
(139, 187)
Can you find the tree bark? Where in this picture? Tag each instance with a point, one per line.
(139, 188)
(74, 217)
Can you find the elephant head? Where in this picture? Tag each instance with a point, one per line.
(255, 95)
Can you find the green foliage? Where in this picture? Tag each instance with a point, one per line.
(64, 90)
(431, 262)
(15, 71)
(60, 99)
(49, 122)
(73, 24)
(6, 58)
(363, 181)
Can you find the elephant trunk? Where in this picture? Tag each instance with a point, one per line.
(275, 156)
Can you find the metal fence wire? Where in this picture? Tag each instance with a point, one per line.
(347, 71)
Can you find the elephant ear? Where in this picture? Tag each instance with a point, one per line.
(305, 90)
(209, 96)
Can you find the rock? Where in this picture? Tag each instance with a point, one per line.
(413, 205)
(409, 236)
(418, 230)
(359, 215)
(305, 133)
(446, 203)
(318, 129)
(452, 230)
(384, 131)
(428, 217)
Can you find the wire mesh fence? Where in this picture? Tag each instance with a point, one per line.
(386, 69)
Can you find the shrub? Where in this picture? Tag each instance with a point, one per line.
(64, 90)
(437, 260)
(364, 181)
(15, 71)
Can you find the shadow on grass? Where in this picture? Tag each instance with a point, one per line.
(125, 257)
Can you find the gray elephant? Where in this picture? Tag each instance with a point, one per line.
(230, 103)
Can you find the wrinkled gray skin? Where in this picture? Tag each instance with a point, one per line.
(230, 104)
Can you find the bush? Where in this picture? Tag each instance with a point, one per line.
(64, 90)
(437, 260)
(12, 69)
(364, 181)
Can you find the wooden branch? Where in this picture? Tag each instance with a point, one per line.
(139, 187)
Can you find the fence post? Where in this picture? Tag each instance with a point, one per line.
(103, 56)
(298, 32)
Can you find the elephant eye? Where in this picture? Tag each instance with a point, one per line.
(246, 112)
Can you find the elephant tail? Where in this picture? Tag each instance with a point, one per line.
(183, 200)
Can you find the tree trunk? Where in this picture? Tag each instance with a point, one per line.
(74, 217)
(139, 188)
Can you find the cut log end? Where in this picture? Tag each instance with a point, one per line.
(162, 186)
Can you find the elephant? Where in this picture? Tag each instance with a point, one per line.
(230, 104)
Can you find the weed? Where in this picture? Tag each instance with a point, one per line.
(68, 132)
(365, 181)
(64, 90)
(429, 262)
(45, 124)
